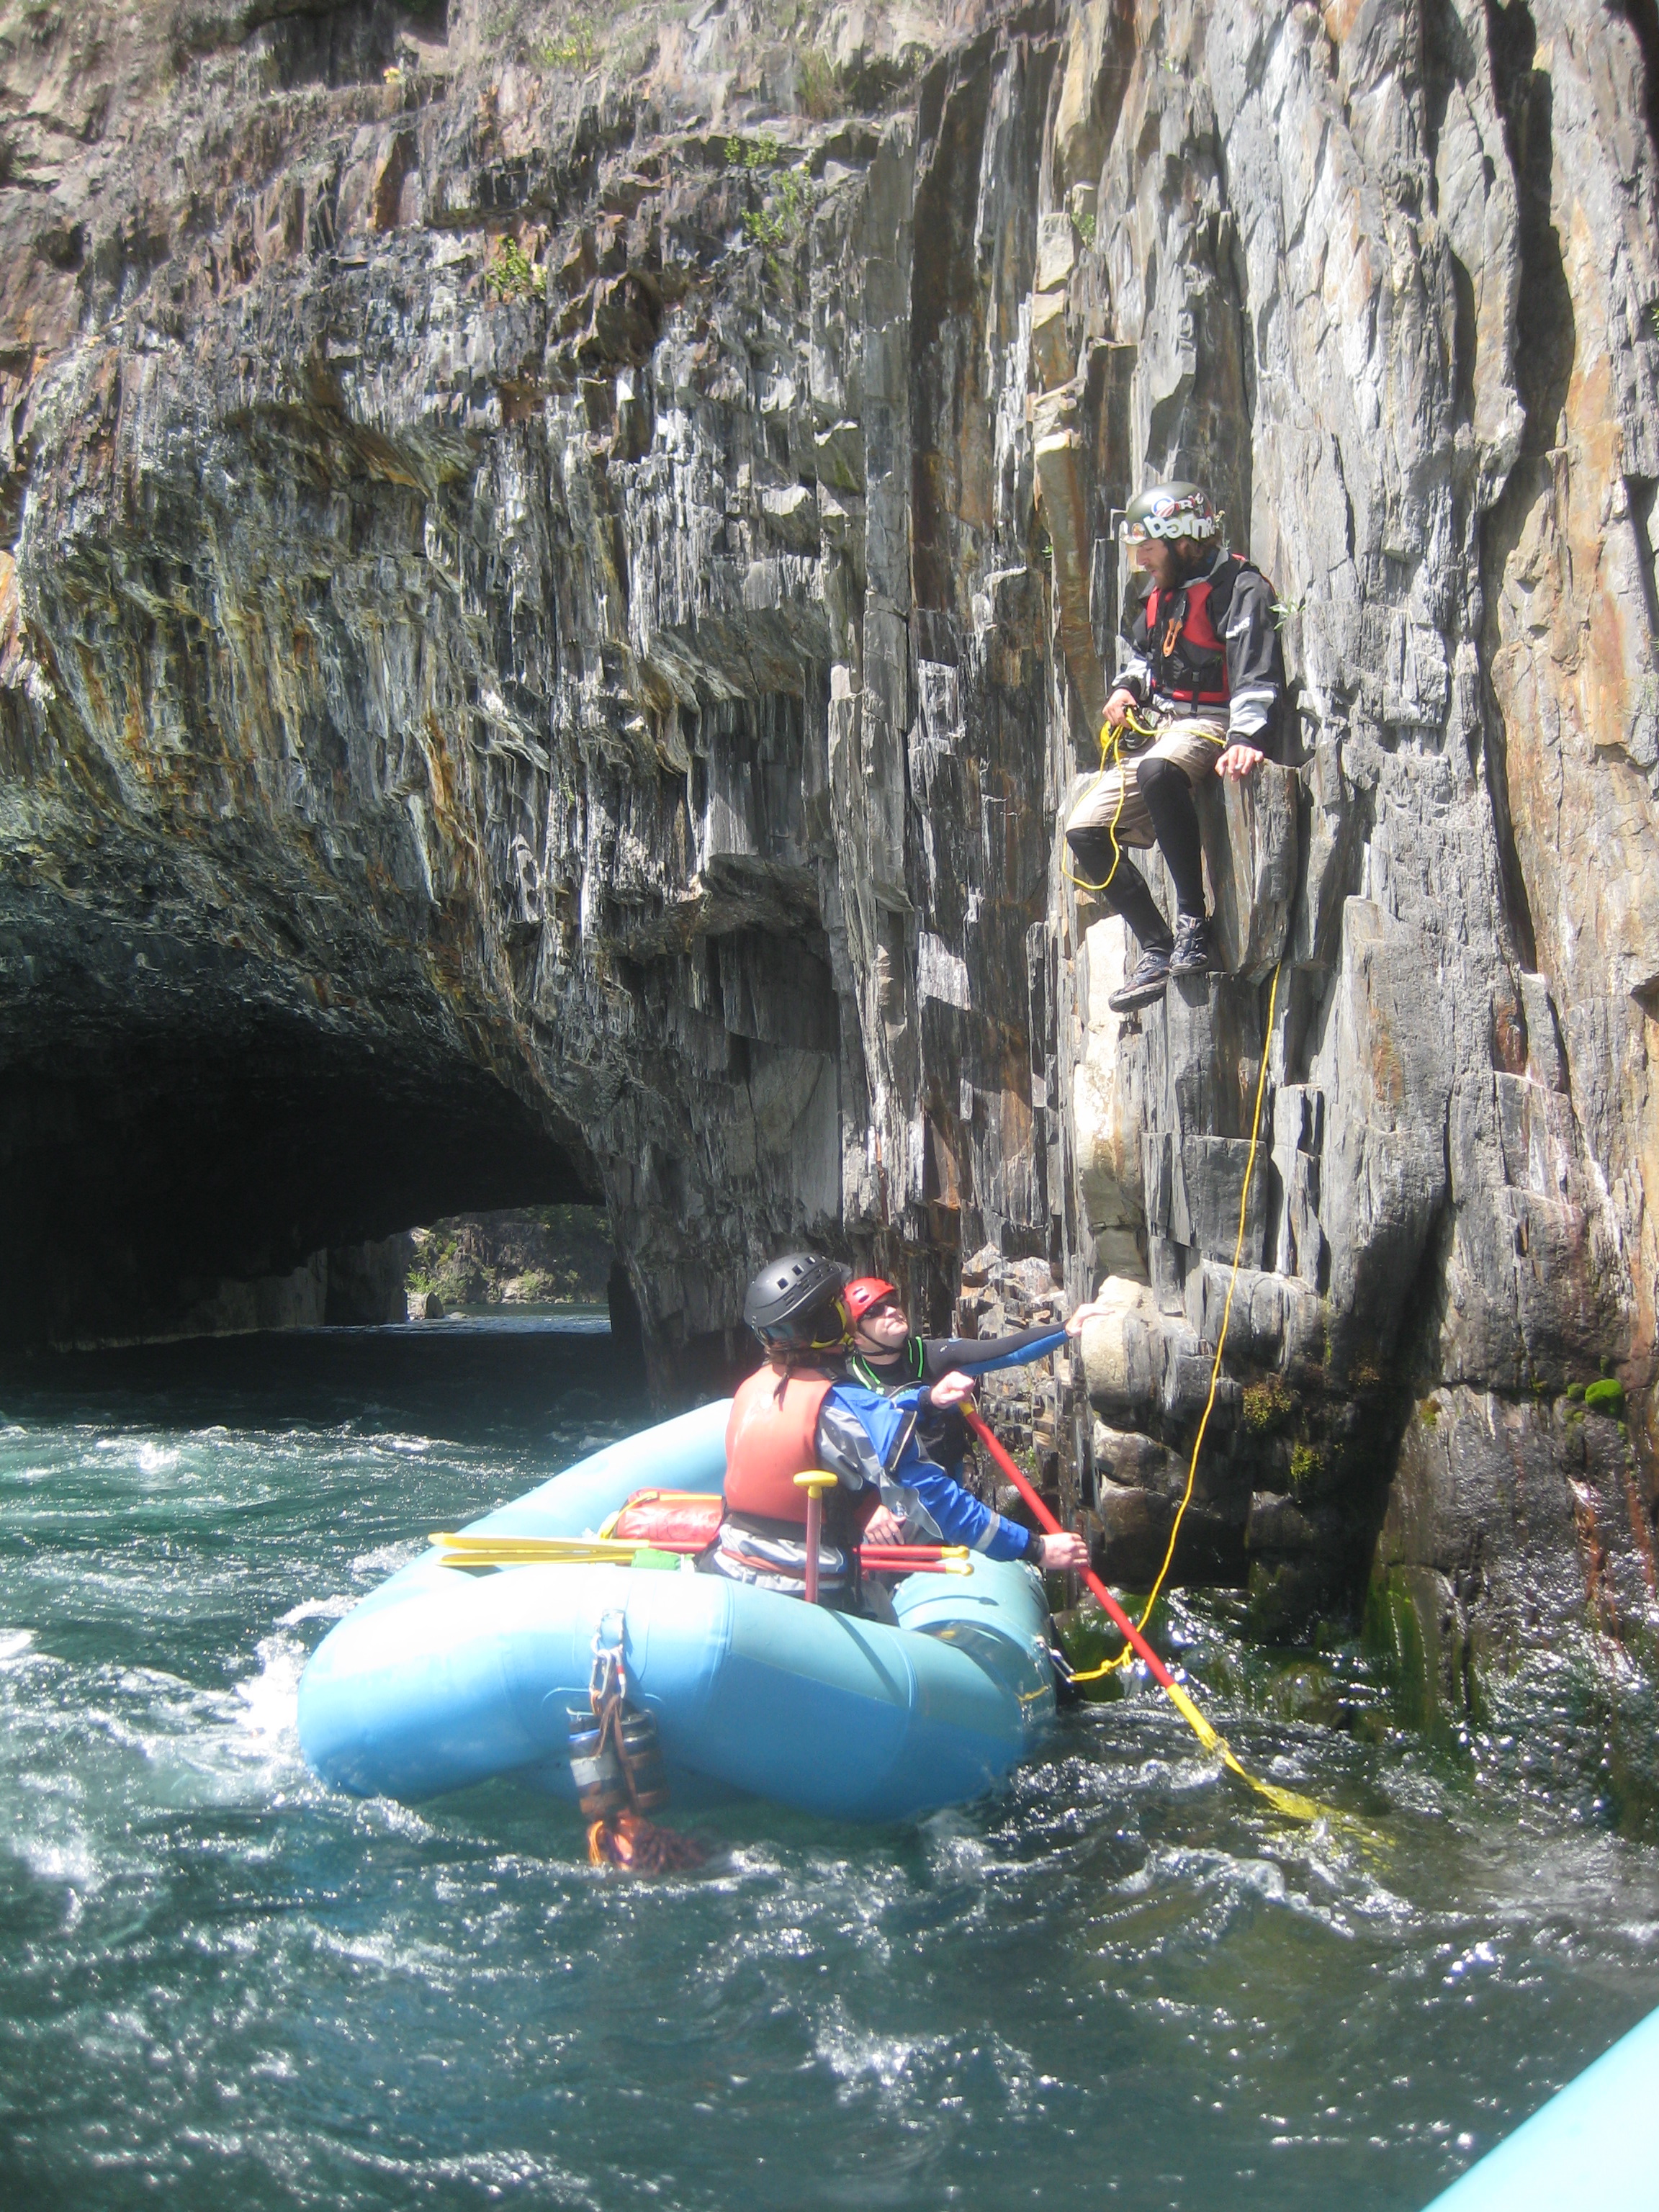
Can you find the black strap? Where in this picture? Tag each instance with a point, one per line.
(900, 1443)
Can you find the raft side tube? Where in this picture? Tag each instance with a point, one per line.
(477, 1676)
(1596, 2140)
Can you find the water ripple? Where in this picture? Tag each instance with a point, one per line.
(1121, 1980)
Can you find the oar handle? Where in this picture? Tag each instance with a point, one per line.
(878, 1560)
(1154, 1666)
(815, 1482)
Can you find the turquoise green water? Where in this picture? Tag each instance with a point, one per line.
(222, 1985)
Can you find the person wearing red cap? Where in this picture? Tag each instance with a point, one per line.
(885, 1358)
(803, 1410)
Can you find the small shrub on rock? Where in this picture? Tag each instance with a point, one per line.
(510, 274)
(1268, 1402)
(1306, 1465)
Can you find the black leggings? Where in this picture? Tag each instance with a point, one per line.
(1128, 892)
(1168, 798)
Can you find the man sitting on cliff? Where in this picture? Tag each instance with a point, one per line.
(801, 1412)
(1201, 691)
(885, 1356)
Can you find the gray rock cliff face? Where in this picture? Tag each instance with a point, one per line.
(560, 584)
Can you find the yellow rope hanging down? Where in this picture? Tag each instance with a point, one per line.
(1123, 1657)
(1111, 756)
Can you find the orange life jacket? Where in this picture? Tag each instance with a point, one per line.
(771, 1436)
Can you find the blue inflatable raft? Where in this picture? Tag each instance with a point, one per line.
(441, 1679)
(1596, 2140)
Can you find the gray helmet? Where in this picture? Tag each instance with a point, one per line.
(1171, 511)
(795, 1302)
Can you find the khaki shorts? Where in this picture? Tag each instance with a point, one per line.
(1195, 744)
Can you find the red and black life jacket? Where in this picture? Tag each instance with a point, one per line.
(1184, 648)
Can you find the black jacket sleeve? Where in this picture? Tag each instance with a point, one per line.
(942, 1431)
(940, 1354)
(1255, 664)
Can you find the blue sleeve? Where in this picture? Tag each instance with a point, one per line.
(959, 1516)
(867, 1426)
(956, 1513)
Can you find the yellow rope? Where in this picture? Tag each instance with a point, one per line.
(1123, 1657)
(1114, 748)
(1111, 756)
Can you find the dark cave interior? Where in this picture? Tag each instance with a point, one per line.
(168, 1121)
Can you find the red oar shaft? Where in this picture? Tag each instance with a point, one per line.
(1154, 1666)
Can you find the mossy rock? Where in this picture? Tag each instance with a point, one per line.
(1422, 1649)
(1606, 1396)
(1266, 1403)
(1301, 1691)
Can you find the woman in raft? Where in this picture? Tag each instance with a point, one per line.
(809, 1408)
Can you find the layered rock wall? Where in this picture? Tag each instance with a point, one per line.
(561, 581)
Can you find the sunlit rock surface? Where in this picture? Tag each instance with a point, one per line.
(559, 585)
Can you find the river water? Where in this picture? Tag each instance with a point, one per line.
(222, 1984)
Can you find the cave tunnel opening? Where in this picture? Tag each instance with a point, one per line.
(151, 1159)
